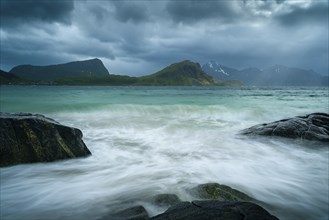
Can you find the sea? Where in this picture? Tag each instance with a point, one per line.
(154, 140)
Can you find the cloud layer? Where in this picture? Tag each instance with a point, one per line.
(140, 37)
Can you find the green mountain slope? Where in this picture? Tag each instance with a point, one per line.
(8, 78)
(185, 73)
(110, 80)
(78, 69)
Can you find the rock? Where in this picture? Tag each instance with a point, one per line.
(133, 213)
(218, 192)
(29, 138)
(314, 126)
(215, 210)
(165, 199)
(225, 204)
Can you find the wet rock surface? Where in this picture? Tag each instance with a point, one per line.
(133, 213)
(222, 203)
(218, 192)
(165, 199)
(215, 210)
(314, 126)
(30, 138)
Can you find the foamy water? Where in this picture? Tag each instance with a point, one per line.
(145, 141)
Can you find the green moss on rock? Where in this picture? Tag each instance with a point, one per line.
(165, 199)
(217, 191)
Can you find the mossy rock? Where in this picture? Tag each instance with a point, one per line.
(165, 199)
(220, 192)
(132, 213)
(215, 210)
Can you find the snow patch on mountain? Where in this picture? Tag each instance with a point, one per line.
(216, 67)
(221, 70)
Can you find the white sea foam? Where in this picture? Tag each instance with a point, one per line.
(142, 149)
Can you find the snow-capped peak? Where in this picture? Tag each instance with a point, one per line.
(216, 67)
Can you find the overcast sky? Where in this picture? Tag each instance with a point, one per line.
(141, 37)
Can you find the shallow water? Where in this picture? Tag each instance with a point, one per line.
(151, 140)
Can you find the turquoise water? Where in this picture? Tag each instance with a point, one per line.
(151, 140)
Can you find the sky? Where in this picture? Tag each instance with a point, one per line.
(140, 37)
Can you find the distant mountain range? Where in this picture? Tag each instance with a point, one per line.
(185, 73)
(277, 75)
(93, 72)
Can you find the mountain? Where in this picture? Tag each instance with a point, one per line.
(78, 69)
(277, 75)
(218, 71)
(282, 75)
(185, 73)
(224, 73)
(8, 78)
(93, 72)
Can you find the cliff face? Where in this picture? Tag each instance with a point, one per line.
(93, 68)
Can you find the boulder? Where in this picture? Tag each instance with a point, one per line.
(223, 203)
(165, 199)
(314, 126)
(198, 210)
(218, 192)
(215, 210)
(133, 213)
(29, 138)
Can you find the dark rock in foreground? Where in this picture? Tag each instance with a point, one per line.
(218, 192)
(133, 213)
(165, 199)
(311, 127)
(198, 210)
(215, 210)
(29, 138)
(229, 204)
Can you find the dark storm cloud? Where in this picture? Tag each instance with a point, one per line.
(99, 12)
(141, 37)
(14, 12)
(130, 11)
(13, 58)
(192, 10)
(316, 13)
(28, 49)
